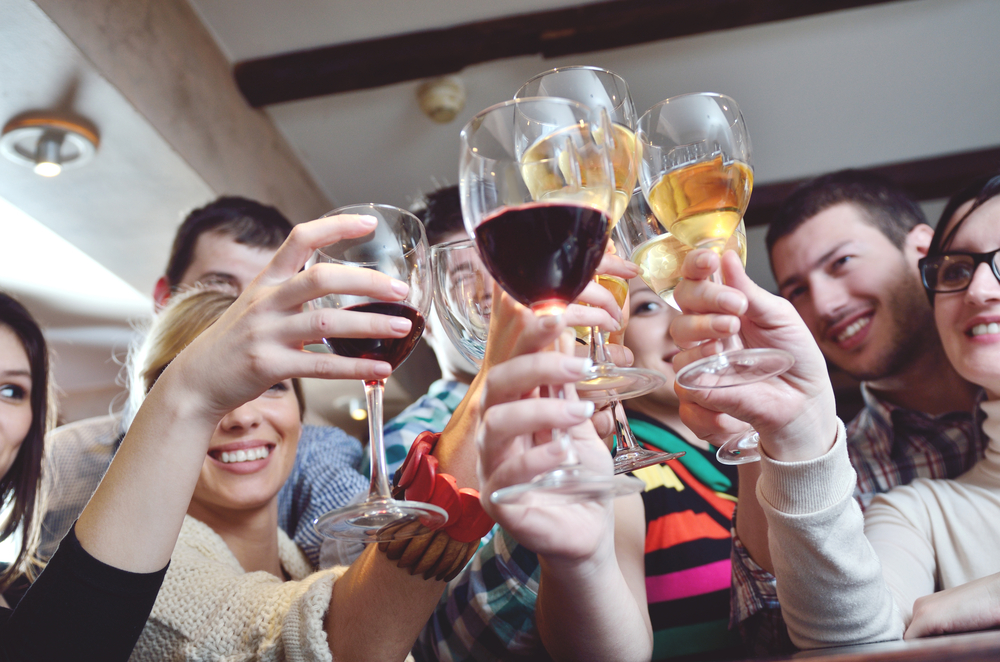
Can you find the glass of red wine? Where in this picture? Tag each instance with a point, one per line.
(536, 184)
(396, 247)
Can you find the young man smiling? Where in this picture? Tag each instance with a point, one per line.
(844, 251)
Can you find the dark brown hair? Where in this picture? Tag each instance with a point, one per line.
(441, 213)
(883, 204)
(21, 484)
(980, 190)
(246, 221)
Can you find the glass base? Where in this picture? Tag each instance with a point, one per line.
(610, 381)
(567, 485)
(741, 450)
(735, 368)
(627, 461)
(380, 520)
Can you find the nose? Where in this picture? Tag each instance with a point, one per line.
(243, 418)
(984, 286)
(828, 296)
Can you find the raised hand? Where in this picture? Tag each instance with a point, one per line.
(794, 413)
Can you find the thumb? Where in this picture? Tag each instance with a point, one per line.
(763, 308)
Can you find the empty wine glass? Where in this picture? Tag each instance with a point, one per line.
(536, 186)
(396, 247)
(463, 297)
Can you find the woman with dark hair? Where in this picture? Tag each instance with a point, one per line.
(25, 415)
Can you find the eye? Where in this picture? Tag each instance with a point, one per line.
(795, 292)
(955, 272)
(12, 392)
(647, 308)
(280, 387)
(840, 262)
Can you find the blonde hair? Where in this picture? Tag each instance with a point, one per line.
(186, 317)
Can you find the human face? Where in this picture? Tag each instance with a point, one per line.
(219, 260)
(15, 396)
(648, 336)
(964, 318)
(469, 279)
(858, 293)
(268, 428)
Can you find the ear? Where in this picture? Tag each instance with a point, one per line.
(161, 293)
(917, 243)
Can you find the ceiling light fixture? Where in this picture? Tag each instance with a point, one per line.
(442, 99)
(48, 144)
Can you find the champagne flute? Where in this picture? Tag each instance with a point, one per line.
(600, 89)
(696, 177)
(536, 185)
(397, 247)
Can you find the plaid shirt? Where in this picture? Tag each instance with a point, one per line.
(430, 413)
(888, 446)
(325, 476)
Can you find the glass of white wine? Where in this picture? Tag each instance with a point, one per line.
(696, 176)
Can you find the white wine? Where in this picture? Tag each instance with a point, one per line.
(701, 204)
(618, 288)
(661, 257)
(547, 171)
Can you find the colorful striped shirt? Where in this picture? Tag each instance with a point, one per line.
(888, 446)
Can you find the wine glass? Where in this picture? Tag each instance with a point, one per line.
(696, 176)
(659, 254)
(463, 297)
(600, 89)
(536, 186)
(396, 247)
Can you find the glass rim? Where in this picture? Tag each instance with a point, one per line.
(578, 67)
(465, 132)
(454, 243)
(370, 205)
(715, 95)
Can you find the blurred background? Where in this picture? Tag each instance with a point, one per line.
(313, 104)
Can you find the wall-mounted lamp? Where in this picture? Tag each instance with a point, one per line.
(442, 99)
(354, 406)
(48, 144)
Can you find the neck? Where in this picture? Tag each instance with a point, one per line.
(667, 415)
(929, 384)
(251, 535)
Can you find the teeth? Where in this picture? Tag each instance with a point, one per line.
(984, 329)
(852, 329)
(247, 455)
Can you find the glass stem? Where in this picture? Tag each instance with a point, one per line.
(598, 353)
(624, 439)
(376, 446)
(729, 343)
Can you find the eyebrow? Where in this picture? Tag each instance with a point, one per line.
(822, 259)
(16, 373)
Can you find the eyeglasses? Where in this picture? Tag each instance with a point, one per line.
(953, 272)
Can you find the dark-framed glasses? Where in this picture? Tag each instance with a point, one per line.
(953, 272)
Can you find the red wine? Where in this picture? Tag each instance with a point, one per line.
(543, 251)
(391, 350)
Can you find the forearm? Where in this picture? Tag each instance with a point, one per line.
(751, 524)
(456, 450)
(377, 610)
(134, 517)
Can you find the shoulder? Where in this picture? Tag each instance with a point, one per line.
(101, 431)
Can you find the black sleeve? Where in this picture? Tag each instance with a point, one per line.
(79, 608)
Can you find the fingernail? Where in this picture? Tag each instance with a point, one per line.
(724, 325)
(703, 260)
(731, 302)
(382, 370)
(400, 288)
(400, 324)
(368, 221)
(555, 448)
(577, 366)
(549, 322)
(581, 408)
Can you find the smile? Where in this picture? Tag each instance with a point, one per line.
(850, 331)
(242, 455)
(985, 329)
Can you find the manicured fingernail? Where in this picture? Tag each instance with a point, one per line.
(400, 288)
(577, 366)
(581, 408)
(703, 260)
(549, 322)
(555, 448)
(368, 221)
(731, 302)
(400, 324)
(382, 370)
(724, 325)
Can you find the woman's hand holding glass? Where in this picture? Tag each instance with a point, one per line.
(794, 412)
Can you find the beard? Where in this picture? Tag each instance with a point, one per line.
(913, 333)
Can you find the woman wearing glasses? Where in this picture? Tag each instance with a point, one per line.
(923, 559)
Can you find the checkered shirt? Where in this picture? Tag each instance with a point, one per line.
(430, 413)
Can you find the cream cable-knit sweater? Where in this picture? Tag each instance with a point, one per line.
(844, 579)
(209, 608)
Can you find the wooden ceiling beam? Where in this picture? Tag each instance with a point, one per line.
(924, 179)
(567, 31)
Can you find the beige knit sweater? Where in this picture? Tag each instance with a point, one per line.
(843, 579)
(209, 608)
